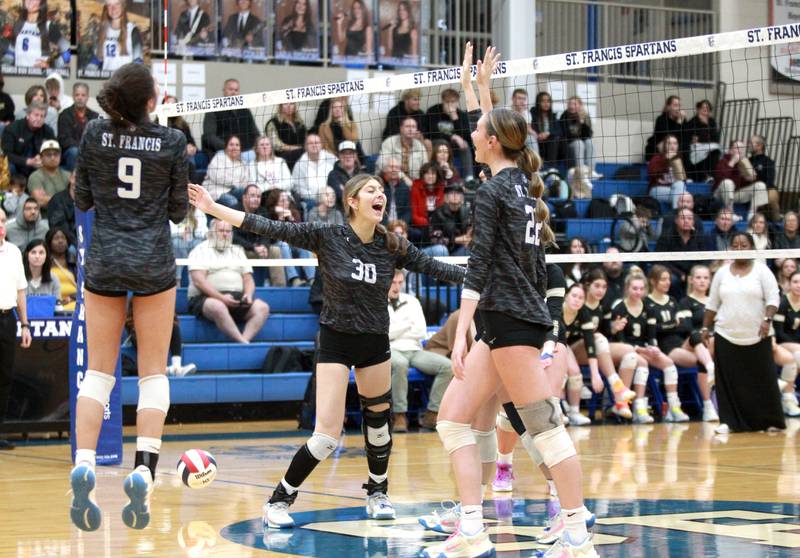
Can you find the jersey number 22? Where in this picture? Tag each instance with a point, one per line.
(532, 228)
(129, 172)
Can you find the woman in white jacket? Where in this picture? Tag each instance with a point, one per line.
(227, 174)
(269, 171)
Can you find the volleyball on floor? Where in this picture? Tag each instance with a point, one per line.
(197, 468)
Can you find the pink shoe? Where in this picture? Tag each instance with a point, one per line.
(503, 478)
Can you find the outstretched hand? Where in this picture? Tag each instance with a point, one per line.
(486, 66)
(466, 66)
(200, 198)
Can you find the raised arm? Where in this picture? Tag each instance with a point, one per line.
(466, 79)
(417, 260)
(486, 68)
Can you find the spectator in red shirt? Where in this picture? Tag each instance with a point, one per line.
(735, 180)
(666, 173)
(427, 193)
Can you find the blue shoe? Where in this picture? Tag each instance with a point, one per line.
(84, 511)
(138, 486)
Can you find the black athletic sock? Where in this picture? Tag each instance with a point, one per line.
(148, 459)
(302, 465)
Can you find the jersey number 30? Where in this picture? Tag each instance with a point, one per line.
(364, 272)
(129, 172)
(532, 228)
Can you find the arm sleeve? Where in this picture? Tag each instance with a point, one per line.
(417, 260)
(554, 305)
(303, 235)
(484, 232)
(8, 141)
(84, 200)
(35, 182)
(780, 321)
(178, 203)
(66, 132)
(587, 329)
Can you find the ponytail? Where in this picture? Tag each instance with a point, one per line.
(530, 163)
(393, 242)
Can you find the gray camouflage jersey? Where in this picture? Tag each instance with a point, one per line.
(135, 178)
(356, 277)
(506, 265)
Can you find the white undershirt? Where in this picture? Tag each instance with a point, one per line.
(12, 275)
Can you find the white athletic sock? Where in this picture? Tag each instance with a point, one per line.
(711, 368)
(575, 524)
(708, 404)
(789, 397)
(640, 403)
(673, 399)
(471, 520)
(176, 362)
(505, 458)
(616, 382)
(551, 487)
(150, 445)
(288, 487)
(85, 456)
(575, 409)
(483, 491)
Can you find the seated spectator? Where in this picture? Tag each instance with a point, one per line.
(397, 187)
(176, 367)
(278, 205)
(56, 98)
(61, 211)
(407, 330)
(339, 128)
(427, 194)
(667, 220)
(179, 123)
(227, 174)
(6, 106)
(735, 180)
(187, 234)
(221, 125)
(788, 237)
(547, 128)
(442, 155)
(51, 179)
(445, 121)
(669, 123)
(269, 171)
(324, 109)
(450, 223)
(344, 169)
(38, 94)
(405, 148)
(62, 266)
(287, 131)
(576, 127)
(14, 199)
(681, 237)
(23, 139)
(72, 122)
(407, 107)
(519, 104)
(759, 230)
(702, 142)
(574, 271)
(783, 274)
(36, 261)
(720, 237)
(310, 174)
(635, 233)
(222, 287)
(615, 279)
(29, 226)
(765, 172)
(666, 173)
(256, 246)
(328, 211)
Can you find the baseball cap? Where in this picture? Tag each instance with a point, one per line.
(347, 144)
(49, 144)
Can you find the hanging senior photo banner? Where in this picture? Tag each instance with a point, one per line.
(399, 31)
(35, 37)
(352, 32)
(297, 29)
(244, 29)
(193, 28)
(111, 33)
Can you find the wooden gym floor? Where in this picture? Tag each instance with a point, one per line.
(660, 490)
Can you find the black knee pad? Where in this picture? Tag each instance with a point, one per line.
(376, 426)
(514, 418)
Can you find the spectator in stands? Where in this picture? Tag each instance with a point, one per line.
(442, 155)
(765, 172)
(397, 187)
(61, 211)
(576, 125)
(219, 126)
(287, 131)
(702, 143)
(445, 121)
(227, 174)
(667, 221)
(758, 229)
(407, 330)
(615, 277)
(519, 104)
(46, 182)
(269, 171)
(574, 271)
(327, 211)
(280, 207)
(23, 139)
(735, 180)
(635, 233)
(450, 223)
(406, 148)
(547, 129)
(344, 169)
(72, 122)
(176, 367)
(670, 122)
(407, 107)
(56, 98)
(62, 266)
(310, 174)
(681, 237)
(36, 260)
(6, 106)
(29, 226)
(324, 109)
(427, 194)
(179, 123)
(720, 237)
(339, 128)
(14, 199)
(783, 275)
(187, 234)
(666, 173)
(38, 94)
(221, 290)
(744, 297)
(788, 237)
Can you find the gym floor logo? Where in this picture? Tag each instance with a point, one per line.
(625, 528)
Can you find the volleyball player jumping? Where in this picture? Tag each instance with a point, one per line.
(133, 173)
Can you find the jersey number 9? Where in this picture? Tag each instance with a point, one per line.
(532, 228)
(129, 172)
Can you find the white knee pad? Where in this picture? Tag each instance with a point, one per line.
(154, 393)
(96, 385)
(320, 446)
(670, 376)
(629, 361)
(455, 435)
(503, 423)
(487, 445)
(601, 344)
(575, 382)
(555, 445)
(530, 447)
(640, 376)
(789, 373)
